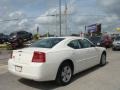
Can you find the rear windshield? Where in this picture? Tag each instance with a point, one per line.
(47, 43)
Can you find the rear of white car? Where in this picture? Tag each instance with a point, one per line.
(35, 62)
(31, 64)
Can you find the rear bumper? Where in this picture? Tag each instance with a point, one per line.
(36, 72)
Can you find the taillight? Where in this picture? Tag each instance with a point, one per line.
(39, 57)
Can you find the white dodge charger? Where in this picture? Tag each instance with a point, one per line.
(57, 58)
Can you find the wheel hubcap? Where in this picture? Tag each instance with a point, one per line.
(66, 74)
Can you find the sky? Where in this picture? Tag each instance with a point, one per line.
(31, 14)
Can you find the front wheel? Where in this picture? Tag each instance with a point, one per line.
(103, 59)
(64, 74)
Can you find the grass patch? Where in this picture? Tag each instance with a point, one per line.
(5, 46)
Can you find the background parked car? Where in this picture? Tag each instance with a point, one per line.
(19, 37)
(103, 41)
(116, 43)
(96, 40)
(3, 38)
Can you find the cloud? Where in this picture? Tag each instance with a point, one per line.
(107, 3)
(110, 6)
(14, 9)
(51, 16)
(78, 15)
(23, 22)
(17, 14)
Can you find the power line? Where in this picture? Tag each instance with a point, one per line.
(7, 20)
(53, 15)
(17, 19)
(95, 15)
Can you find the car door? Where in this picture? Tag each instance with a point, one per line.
(90, 57)
(78, 56)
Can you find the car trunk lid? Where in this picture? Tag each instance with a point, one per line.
(24, 56)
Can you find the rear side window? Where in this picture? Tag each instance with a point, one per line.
(47, 43)
(85, 43)
(74, 44)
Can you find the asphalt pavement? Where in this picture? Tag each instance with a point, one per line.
(4, 56)
(96, 78)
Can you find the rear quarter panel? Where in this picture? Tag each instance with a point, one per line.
(56, 57)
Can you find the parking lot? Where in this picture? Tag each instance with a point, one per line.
(96, 78)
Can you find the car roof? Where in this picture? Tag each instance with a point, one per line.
(68, 37)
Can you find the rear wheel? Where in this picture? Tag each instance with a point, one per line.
(103, 59)
(64, 74)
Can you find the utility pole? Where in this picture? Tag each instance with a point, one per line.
(56, 25)
(60, 15)
(65, 12)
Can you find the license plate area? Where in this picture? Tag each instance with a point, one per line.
(18, 68)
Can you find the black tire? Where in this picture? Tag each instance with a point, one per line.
(60, 79)
(103, 59)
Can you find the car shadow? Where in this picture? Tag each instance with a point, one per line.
(47, 85)
(50, 85)
(86, 72)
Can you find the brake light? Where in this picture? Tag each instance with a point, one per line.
(39, 57)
